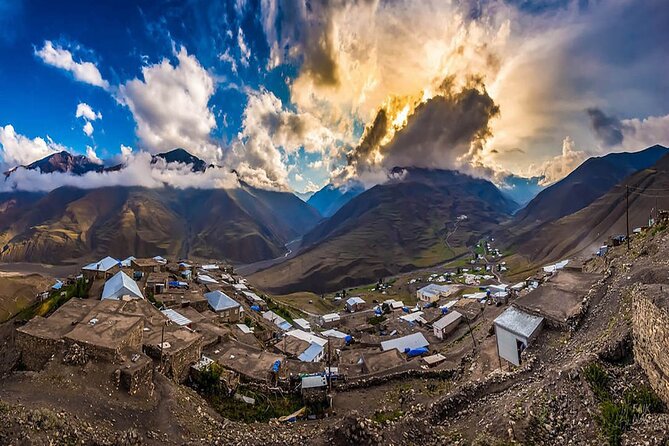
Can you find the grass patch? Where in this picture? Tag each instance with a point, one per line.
(387, 415)
(55, 300)
(617, 416)
(376, 320)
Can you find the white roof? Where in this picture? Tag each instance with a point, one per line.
(411, 317)
(220, 301)
(103, 265)
(518, 286)
(330, 317)
(414, 340)
(334, 334)
(160, 259)
(209, 267)
(253, 296)
(244, 328)
(518, 322)
(239, 286)
(556, 266)
(175, 317)
(121, 285)
(277, 320)
(305, 336)
(127, 262)
(500, 287)
(474, 295)
(449, 304)
(302, 323)
(311, 382)
(434, 359)
(447, 320)
(434, 289)
(354, 300)
(206, 279)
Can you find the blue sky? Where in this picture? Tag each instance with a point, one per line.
(283, 91)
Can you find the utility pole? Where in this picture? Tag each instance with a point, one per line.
(470, 332)
(627, 213)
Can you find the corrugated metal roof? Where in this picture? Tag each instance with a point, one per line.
(414, 340)
(311, 353)
(309, 337)
(447, 320)
(121, 285)
(220, 301)
(518, 322)
(177, 318)
(334, 334)
(354, 300)
(313, 382)
(103, 265)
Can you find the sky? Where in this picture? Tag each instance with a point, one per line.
(296, 94)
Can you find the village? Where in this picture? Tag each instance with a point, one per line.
(200, 323)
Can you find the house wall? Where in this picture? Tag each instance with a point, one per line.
(231, 315)
(506, 345)
(442, 333)
(650, 328)
(35, 350)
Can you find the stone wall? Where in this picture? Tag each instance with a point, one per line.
(650, 326)
(36, 350)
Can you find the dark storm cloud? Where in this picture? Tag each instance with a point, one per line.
(371, 139)
(608, 129)
(444, 129)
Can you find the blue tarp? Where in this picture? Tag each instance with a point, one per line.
(378, 312)
(276, 365)
(58, 285)
(255, 308)
(348, 339)
(444, 310)
(405, 309)
(411, 352)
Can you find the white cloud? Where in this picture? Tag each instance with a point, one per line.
(91, 155)
(244, 50)
(227, 57)
(86, 111)
(298, 177)
(20, 149)
(641, 133)
(139, 171)
(561, 165)
(269, 134)
(170, 106)
(62, 58)
(88, 128)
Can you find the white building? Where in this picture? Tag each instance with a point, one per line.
(515, 330)
(354, 304)
(316, 350)
(330, 319)
(433, 292)
(302, 324)
(444, 326)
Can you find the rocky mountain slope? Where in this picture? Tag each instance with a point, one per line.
(586, 229)
(425, 218)
(592, 179)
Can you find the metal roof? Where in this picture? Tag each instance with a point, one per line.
(354, 300)
(244, 328)
(414, 340)
(309, 337)
(518, 322)
(121, 285)
(206, 279)
(177, 318)
(103, 265)
(311, 353)
(220, 301)
(334, 334)
(433, 288)
(447, 320)
(312, 382)
(330, 317)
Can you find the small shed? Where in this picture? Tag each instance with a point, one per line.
(314, 388)
(409, 342)
(302, 324)
(330, 319)
(226, 307)
(514, 330)
(444, 326)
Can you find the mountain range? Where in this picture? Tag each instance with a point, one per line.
(342, 236)
(428, 217)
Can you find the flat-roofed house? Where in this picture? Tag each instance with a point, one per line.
(120, 286)
(514, 330)
(147, 265)
(330, 320)
(226, 307)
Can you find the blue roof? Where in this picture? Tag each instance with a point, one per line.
(220, 301)
(103, 265)
(311, 353)
(121, 285)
